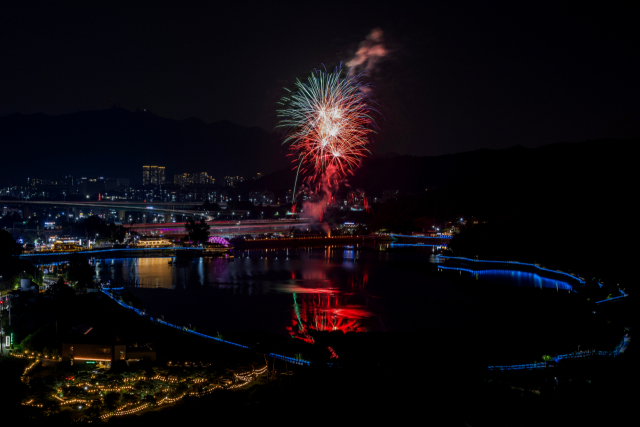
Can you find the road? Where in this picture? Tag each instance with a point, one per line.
(154, 207)
(225, 228)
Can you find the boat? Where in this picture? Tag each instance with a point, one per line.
(217, 249)
(384, 237)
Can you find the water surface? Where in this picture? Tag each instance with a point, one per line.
(301, 291)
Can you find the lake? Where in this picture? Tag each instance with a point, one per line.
(306, 293)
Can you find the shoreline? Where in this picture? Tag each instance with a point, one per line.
(467, 261)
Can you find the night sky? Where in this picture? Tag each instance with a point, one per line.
(452, 78)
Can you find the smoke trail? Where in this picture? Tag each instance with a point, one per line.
(371, 51)
(327, 185)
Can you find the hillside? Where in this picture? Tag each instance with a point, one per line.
(117, 143)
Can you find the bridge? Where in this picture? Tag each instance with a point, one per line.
(223, 228)
(185, 209)
(174, 208)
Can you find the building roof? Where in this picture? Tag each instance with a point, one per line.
(85, 334)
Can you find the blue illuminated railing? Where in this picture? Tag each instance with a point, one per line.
(581, 355)
(541, 365)
(290, 359)
(187, 330)
(420, 237)
(571, 276)
(442, 267)
(610, 299)
(577, 355)
(50, 263)
(394, 245)
(544, 282)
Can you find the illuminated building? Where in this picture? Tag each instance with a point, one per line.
(153, 242)
(232, 181)
(261, 197)
(185, 179)
(152, 175)
(65, 246)
(10, 210)
(86, 345)
(181, 179)
(91, 187)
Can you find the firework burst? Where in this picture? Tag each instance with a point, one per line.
(328, 122)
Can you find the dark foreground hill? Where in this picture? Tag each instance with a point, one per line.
(117, 143)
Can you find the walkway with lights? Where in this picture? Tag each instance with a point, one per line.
(620, 348)
(515, 263)
(529, 366)
(109, 292)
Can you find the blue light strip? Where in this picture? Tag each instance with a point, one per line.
(393, 245)
(183, 329)
(291, 359)
(51, 263)
(610, 299)
(442, 267)
(515, 263)
(565, 286)
(556, 359)
(420, 237)
(620, 348)
(517, 367)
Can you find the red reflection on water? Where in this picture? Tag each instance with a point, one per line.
(356, 282)
(334, 355)
(320, 312)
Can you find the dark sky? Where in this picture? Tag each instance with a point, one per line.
(456, 78)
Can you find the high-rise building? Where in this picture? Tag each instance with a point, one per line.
(262, 197)
(152, 175)
(146, 175)
(203, 178)
(160, 175)
(185, 179)
(91, 187)
(232, 181)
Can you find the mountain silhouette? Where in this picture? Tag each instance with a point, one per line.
(116, 142)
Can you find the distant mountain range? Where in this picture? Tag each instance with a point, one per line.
(568, 168)
(116, 142)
